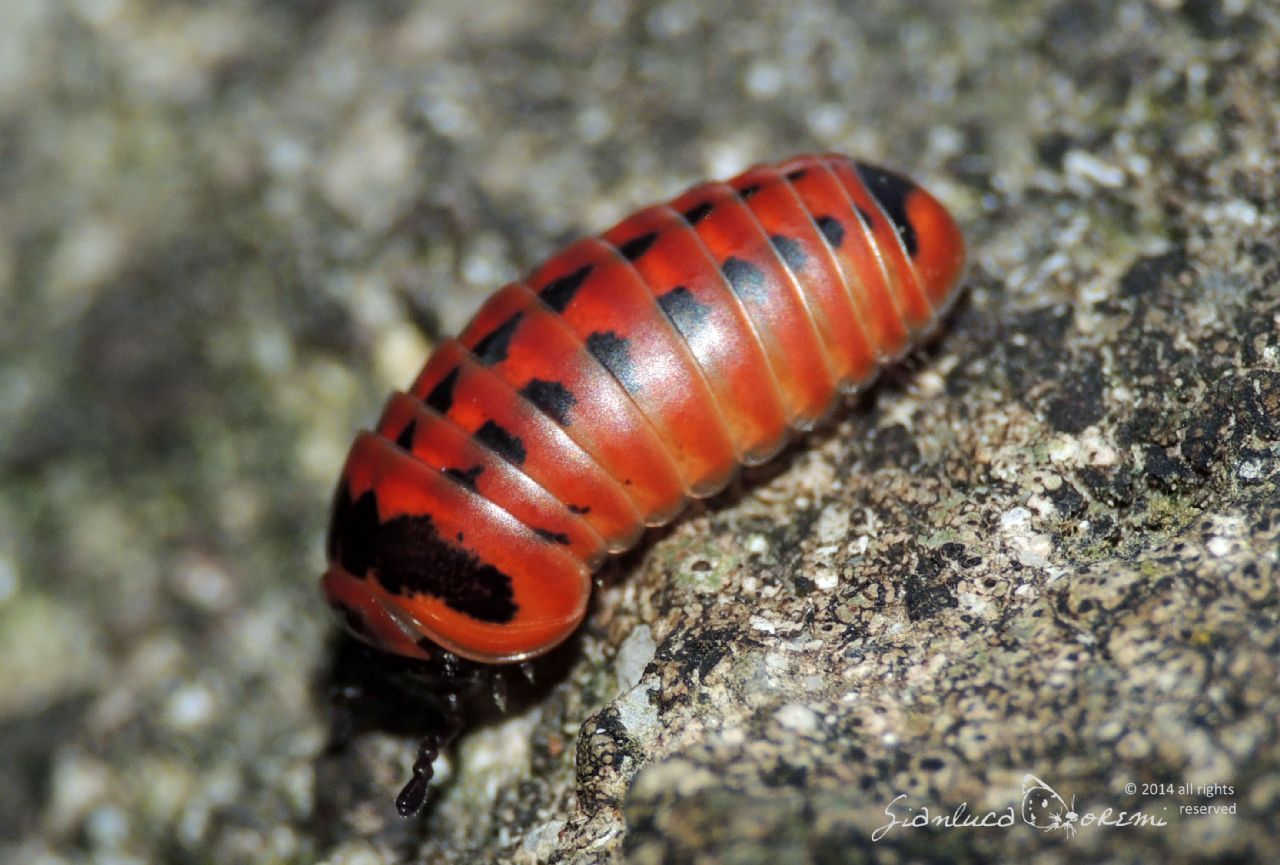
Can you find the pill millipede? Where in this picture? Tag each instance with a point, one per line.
(626, 375)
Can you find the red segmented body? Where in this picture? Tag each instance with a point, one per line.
(629, 373)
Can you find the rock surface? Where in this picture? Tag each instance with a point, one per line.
(1047, 546)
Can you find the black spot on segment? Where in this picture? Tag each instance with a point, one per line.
(441, 396)
(559, 293)
(493, 346)
(552, 397)
(613, 351)
(580, 510)
(793, 176)
(465, 477)
(746, 192)
(405, 439)
(410, 558)
(831, 229)
(790, 251)
(552, 537)
(633, 249)
(338, 519)
(501, 442)
(354, 530)
(891, 190)
(746, 280)
(685, 312)
(698, 212)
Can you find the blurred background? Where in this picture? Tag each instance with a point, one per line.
(228, 229)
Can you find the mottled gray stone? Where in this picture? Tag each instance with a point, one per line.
(1046, 545)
